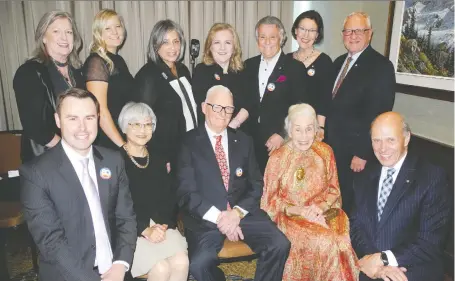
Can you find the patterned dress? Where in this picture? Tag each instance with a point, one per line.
(296, 178)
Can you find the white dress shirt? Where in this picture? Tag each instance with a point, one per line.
(354, 59)
(265, 70)
(213, 213)
(390, 256)
(75, 159)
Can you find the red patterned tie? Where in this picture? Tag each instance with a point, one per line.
(342, 76)
(221, 158)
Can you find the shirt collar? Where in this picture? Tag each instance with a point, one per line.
(212, 134)
(274, 59)
(397, 165)
(357, 55)
(73, 155)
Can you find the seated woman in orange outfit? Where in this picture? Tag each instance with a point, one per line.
(302, 195)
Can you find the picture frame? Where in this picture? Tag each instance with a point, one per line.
(436, 87)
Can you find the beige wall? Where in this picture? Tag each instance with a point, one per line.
(428, 118)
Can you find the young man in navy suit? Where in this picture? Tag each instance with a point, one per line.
(219, 192)
(402, 209)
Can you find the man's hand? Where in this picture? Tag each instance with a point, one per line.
(228, 221)
(371, 264)
(236, 235)
(392, 273)
(155, 233)
(358, 164)
(115, 273)
(320, 134)
(273, 143)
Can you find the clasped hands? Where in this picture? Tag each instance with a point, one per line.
(311, 213)
(228, 224)
(374, 268)
(155, 233)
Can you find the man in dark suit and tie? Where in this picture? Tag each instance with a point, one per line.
(402, 209)
(274, 82)
(364, 88)
(77, 202)
(219, 192)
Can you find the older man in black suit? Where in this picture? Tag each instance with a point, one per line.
(219, 191)
(364, 88)
(402, 209)
(273, 82)
(76, 200)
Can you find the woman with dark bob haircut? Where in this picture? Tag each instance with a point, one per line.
(308, 30)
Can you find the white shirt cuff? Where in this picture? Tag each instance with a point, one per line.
(124, 263)
(245, 212)
(212, 214)
(391, 257)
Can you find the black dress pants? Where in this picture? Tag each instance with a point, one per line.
(260, 233)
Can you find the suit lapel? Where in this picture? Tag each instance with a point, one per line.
(372, 197)
(402, 183)
(356, 71)
(103, 184)
(68, 173)
(234, 157)
(277, 71)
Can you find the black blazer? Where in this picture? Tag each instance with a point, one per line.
(59, 219)
(36, 103)
(199, 182)
(367, 91)
(152, 87)
(415, 221)
(274, 106)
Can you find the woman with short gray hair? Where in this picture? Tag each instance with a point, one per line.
(161, 251)
(52, 69)
(164, 83)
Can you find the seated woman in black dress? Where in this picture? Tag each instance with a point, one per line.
(161, 251)
(163, 83)
(38, 82)
(221, 65)
(107, 75)
(308, 29)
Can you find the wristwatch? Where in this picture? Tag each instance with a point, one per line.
(239, 212)
(384, 258)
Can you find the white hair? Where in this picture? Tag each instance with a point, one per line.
(217, 88)
(275, 21)
(296, 110)
(359, 14)
(133, 112)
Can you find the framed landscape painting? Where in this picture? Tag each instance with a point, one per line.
(422, 44)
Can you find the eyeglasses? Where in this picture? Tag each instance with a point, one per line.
(311, 32)
(218, 108)
(139, 126)
(358, 32)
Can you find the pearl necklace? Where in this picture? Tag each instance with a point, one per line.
(134, 160)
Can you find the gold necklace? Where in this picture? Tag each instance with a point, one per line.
(134, 160)
(307, 57)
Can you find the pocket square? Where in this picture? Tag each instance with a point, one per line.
(281, 78)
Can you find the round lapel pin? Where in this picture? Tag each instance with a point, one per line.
(105, 173)
(217, 77)
(238, 172)
(271, 87)
(164, 75)
(311, 72)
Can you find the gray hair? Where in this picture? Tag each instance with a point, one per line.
(157, 35)
(296, 110)
(40, 54)
(217, 88)
(133, 112)
(277, 22)
(359, 14)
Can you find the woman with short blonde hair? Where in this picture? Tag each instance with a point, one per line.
(107, 75)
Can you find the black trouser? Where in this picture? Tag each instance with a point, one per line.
(260, 233)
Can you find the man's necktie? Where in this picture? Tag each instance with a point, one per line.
(222, 162)
(341, 78)
(103, 247)
(386, 188)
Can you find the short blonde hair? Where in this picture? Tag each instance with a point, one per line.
(133, 112)
(98, 45)
(235, 62)
(296, 110)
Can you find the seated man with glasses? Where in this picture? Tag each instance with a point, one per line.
(219, 188)
(364, 88)
(161, 251)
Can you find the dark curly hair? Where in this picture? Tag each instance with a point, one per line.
(312, 15)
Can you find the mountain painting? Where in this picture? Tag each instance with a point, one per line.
(427, 38)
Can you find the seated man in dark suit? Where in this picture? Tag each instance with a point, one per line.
(219, 192)
(402, 209)
(76, 200)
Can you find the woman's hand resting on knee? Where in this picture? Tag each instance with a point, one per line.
(155, 233)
